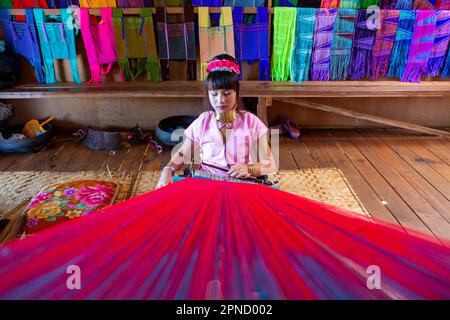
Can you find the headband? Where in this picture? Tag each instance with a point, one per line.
(223, 65)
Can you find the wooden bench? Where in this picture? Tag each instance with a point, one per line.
(265, 91)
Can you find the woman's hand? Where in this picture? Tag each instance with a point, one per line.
(239, 171)
(165, 179)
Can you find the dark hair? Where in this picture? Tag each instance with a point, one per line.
(221, 80)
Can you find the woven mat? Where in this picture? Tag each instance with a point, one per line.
(324, 185)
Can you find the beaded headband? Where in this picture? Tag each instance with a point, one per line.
(223, 65)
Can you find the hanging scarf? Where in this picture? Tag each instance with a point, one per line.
(22, 39)
(251, 39)
(363, 40)
(445, 5)
(61, 4)
(441, 40)
(323, 37)
(350, 4)
(421, 45)
(176, 40)
(403, 5)
(57, 41)
(388, 4)
(283, 42)
(97, 3)
(285, 3)
(6, 4)
(329, 4)
(341, 47)
(214, 40)
(24, 4)
(402, 43)
(424, 4)
(384, 41)
(303, 43)
(99, 42)
(207, 3)
(133, 3)
(309, 3)
(243, 3)
(446, 71)
(367, 3)
(135, 39)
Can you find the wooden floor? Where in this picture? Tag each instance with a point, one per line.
(401, 177)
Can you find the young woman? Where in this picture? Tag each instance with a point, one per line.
(225, 140)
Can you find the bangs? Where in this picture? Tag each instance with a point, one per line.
(222, 80)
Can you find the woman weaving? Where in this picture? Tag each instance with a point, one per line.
(226, 140)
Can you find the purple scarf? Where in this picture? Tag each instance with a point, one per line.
(421, 45)
(441, 39)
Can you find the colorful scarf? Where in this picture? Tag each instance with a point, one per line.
(6, 4)
(446, 71)
(61, 4)
(99, 42)
(135, 39)
(22, 39)
(365, 4)
(207, 3)
(350, 4)
(23, 4)
(323, 37)
(243, 3)
(421, 45)
(341, 47)
(309, 3)
(329, 4)
(57, 41)
(214, 40)
(303, 44)
(404, 5)
(384, 41)
(133, 3)
(363, 40)
(424, 4)
(97, 3)
(388, 4)
(176, 39)
(283, 42)
(445, 5)
(402, 43)
(441, 40)
(252, 39)
(285, 3)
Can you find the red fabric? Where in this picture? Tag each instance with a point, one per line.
(25, 4)
(198, 239)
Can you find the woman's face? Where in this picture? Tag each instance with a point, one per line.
(222, 100)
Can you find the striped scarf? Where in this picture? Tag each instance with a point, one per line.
(384, 41)
(323, 37)
(445, 5)
(441, 39)
(135, 39)
(303, 44)
(388, 4)
(367, 3)
(402, 43)
(176, 40)
(363, 40)
(252, 39)
(214, 40)
(404, 5)
(350, 4)
(446, 71)
(421, 45)
(424, 4)
(329, 4)
(342, 44)
(283, 42)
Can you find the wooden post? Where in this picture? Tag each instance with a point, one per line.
(263, 104)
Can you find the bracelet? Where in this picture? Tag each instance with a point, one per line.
(171, 168)
(251, 169)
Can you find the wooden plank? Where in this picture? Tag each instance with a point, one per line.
(427, 191)
(300, 153)
(319, 155)
(422, 209)
(134, 157)
(435, 179)
(372, 202)
(287, 161)
(249, 88)
(365, 116)
(440, 148)
(399, 208)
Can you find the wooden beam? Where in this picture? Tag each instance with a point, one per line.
(365, 116)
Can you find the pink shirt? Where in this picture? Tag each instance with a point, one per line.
(240, 148)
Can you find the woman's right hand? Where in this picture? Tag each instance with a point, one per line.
(165, 179)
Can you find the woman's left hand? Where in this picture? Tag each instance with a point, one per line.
(239, 171)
